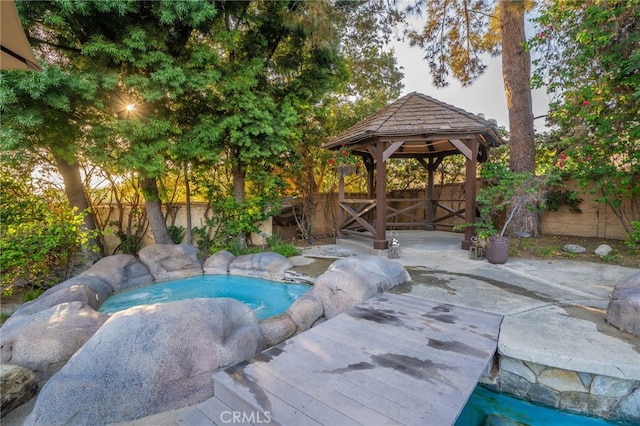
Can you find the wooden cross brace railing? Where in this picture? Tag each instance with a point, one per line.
(415, 217)
(354, 210)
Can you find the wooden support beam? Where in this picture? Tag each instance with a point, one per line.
(391, 149)
(464, 149)
(470, 190)
(380, 239)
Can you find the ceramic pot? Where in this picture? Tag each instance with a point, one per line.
(497, 249)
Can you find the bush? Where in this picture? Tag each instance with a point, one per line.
(276, 245)
(39, 252)
(39, 237)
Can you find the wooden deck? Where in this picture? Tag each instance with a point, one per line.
(393, 360)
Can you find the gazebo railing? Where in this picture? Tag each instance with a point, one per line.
(451, 212)
(410, 217)
(352, 217)
(356, 214)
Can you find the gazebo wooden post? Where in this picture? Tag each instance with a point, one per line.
(470, 191)
(380, 239)
(430, 194)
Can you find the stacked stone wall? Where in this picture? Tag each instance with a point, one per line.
(597, 395)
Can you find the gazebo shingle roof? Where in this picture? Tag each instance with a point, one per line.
(420, 115)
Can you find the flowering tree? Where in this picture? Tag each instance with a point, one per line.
(590, 56)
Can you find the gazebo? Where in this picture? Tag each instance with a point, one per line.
(415, 126)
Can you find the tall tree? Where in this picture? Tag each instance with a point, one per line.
(516, 74)
(364, 28)
(145, 57)
(456, 35)
(48, 113)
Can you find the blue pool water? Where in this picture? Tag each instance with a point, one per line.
(265, 298)
(483, 402)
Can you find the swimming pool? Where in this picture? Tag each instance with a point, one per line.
(266, 298)
(486, 407)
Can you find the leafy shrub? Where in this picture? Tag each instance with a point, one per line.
(276, 245)
(176, 233)
(39, 252)
(39, 237)
(633, 239)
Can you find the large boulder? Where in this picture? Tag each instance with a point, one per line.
(89, 290)
(147, 360)
(277, 329)
(350, 281)
(305, 311)
(171, 261)
(121, 271)
(267, 265)
(218, 263)
(44, 341)
(623, 310)
(18, 386)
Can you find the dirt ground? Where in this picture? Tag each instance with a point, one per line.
(550, 247)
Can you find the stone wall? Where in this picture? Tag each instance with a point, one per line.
(590, 394)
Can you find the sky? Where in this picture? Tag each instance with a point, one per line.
(485, 95)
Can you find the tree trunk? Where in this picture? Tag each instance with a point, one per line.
(154, 211)
(187, 188)
(516, 73)
(239, 178)
(75, 191)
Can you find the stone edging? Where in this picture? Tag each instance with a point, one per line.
(610, 398)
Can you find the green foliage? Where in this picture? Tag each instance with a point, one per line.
(176, 233)
(455, 36)
(203, 240)
(557, 198)
(276, 245)
(39, 237)
(589, 57)
(633, 239)
(30, 295)
(130, 237)
(504, 192)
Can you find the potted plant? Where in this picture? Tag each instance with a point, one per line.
(345, 162)
(503, 193)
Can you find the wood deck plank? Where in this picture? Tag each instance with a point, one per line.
(317, 402)
(396, 403)
(394, 359)
(398, 382)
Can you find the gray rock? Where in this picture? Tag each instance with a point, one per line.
(121, 271)
(147, 360)
(89, 290)
(603, 250)
(44, 341)
(18, 386)
(267, 265)
(350, 281)
(628, 410)
(277, 329)
(171, 261)
(218, 263)
(623, 311)
(574, 248)
(305, 311)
